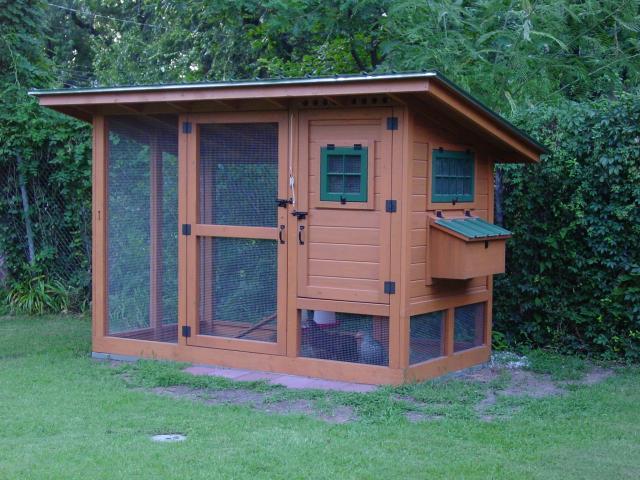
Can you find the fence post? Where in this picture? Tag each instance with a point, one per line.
(25, 210)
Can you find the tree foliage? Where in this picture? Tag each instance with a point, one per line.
(566, 70)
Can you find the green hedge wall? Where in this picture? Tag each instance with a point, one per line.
(573, 265)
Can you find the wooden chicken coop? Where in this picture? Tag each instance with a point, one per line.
(336, 227)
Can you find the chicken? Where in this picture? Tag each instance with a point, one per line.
(331, 345)
(369, 350)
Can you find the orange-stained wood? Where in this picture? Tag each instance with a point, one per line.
(352, 274)
(458, 259)
(99, 229)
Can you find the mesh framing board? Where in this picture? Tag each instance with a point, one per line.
(142, 227)
(239, 174)
(468, 327)
(426, 340)
(238, 288)
(344, 337)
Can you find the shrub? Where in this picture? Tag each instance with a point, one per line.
(573, 265)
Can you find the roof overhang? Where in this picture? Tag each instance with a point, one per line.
(430, 87)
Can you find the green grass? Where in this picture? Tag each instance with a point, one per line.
(559, 367)
(65, 416)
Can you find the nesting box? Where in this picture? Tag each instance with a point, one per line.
(335, 227)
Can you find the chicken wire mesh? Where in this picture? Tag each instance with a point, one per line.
(142, 227)
(238, 183)
(426, 337)
(345, 337)
(239, 174)
(238, 288)
(468, 327)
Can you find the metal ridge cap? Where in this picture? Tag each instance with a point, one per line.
(237, 83)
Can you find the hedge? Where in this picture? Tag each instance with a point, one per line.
(573, 265)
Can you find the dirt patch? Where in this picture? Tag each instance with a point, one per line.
(528, 384)
(178, 392)
(259, 401)
(235, 396)
(482, 375)
(596, 375)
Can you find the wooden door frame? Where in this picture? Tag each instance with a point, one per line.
(191, 198)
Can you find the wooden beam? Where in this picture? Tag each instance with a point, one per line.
(277, 103)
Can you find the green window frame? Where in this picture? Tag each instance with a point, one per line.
(344, 174)
(453, 176)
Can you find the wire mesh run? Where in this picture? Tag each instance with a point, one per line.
(345, 337)
(468, 328)
(239, 174)
(142, 227)
(426, 337)
(238, 288)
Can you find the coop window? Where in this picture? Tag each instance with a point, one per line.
(344, 337)
(468, 326)
(426, 337)
(343, 174)
(453, 175)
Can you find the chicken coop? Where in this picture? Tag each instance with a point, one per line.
(336, 227)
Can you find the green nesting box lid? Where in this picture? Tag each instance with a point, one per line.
(473, 228)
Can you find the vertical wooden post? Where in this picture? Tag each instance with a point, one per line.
(449, 331)
(294, 145)
(183, 189)
(155, 231)
(99, 285)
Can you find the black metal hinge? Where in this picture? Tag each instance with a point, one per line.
(186, 229)
(186, 331)
(392, 123)
(391, 206)
(390, 287)
(186, 127)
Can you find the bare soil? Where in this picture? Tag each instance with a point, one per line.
(261, 401)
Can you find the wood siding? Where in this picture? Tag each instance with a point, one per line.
(426, 136)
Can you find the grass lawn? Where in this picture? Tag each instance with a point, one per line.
(63, 415)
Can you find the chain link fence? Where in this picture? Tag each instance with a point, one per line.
(45, 229)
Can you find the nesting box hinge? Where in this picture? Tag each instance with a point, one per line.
(392, 123)
(390, 287)
(186, 331)
(391, 206)
(186, 127)
(186, 229)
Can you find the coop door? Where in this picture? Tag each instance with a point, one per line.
(345, 179)
(236, 286)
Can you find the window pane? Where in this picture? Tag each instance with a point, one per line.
(239, 174)
(352, 163)
(352, 184)
(335, 164)
(335, 184)
(468, 326)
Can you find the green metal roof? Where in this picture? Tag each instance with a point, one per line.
(319, 80)
(473, 227)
